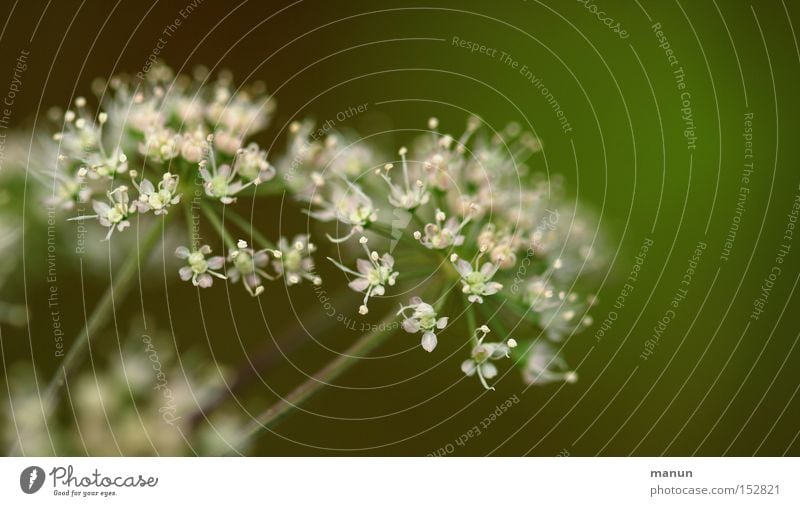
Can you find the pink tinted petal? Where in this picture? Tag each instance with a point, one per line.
(463, 267)
(363, 266)
(216, 262)
(185, 273)
(359, 284)
(146, 187)
(182, 252)
(204, 280)
(411, 326)
(488, 269)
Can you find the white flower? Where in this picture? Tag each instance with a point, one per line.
(248, 265)
(160, 144)
(409, 195)
(200, 269)
(144, 115)
(294, 261)
(546, 366)
(373, 275)
(349, 205)
(102, 165)
(502, 247)
(482, 356)
(194, 146)
(221, 183)
(423, 319)
(477, 283)
(442, 234)
(158, 199)
(114, 216)
(252, 164)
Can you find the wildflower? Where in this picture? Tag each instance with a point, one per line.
(114, 216)
(194, 146)
(423, 319)
(159, 200)
(476, 282)
(68, 189)
(248, 265)
(350, 206)
(502, 247)
(200, 269)
(373, 275)
(108, 166)
(409, 196)
(160, 144)
(564, 316)
(442, 234)
(546, 366)
(252, 164)
(144, 115)
(220, 183)
(482, 356)
(294, 260)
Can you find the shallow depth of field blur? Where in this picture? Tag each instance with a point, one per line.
(660, 370)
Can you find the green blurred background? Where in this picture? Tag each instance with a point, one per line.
(718, 382)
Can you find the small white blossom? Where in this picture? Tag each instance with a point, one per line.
(221, 183)
(546, 366)
(200, 269)
(158, 199)
(423, 319)
(348, 205)
(248, 265)
(408, 195)
(194, 146)
(160, 144)
(373, 274)
(114, 216)
(442, 234)
(251, 163)
(477, 282)
(482, 356)
(294, 261)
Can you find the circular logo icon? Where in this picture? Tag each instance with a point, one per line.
(31, 479)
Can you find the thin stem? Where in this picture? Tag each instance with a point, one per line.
(247, 226)
(313, 385)
(116, 292)
(217, 224)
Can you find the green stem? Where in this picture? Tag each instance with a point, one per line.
(247, 227)
(116, 292)
(313, 385)
(217, 224)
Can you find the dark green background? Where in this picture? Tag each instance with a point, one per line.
(625, 158)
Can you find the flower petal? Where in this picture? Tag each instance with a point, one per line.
(463, 267)
(468, 367)
(411, 325)
(488, 370)
(363, 266)
(429, 341)
(185, 273)
(359, 284)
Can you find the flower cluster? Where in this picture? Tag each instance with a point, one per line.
(179, 135)
(455, 211)
(459, 219)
